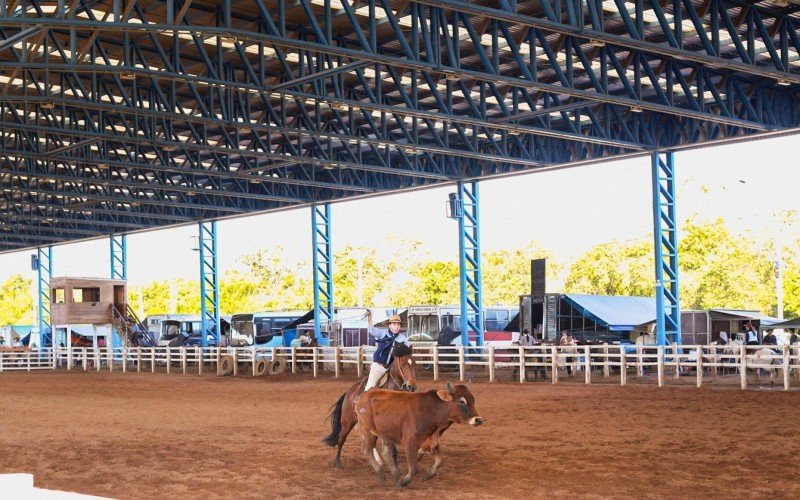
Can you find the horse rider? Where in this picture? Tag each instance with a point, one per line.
(771, 339)
(385, 341)
(751, 334)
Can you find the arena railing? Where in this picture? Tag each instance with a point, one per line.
(606, 361)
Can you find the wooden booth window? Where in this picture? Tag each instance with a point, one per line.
(58, 296)
(85, 295)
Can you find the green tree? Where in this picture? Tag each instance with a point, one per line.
(16, 301)
(188, 297)
(720, 270)
(359, 276)
(507, 273)
(237, 293)
(431, 283)
(614, 268)
(155, 297)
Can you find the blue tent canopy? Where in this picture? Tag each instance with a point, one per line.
(614, 312)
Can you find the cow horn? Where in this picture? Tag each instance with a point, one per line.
(450, 388)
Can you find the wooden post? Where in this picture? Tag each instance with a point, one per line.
(623, 366)
(677, 361)
(125, 358)
(200, 354)
(359, 355)
(461, 363)
(699, 366)
(183, 359)
(29, 362)
(153, 359)
(253, 359)
(69, 357)
(315, 360)
(111, 359)
(743, 366)
(138, 359)
(435, 362)
(294, 359)
(274, 354)
(606, 362)
(554, 363)
(660, 368)
(337, 357)
(169, 357)
(235, 356)
(2, 357)
(785, 368)
(491, 363)
(587, 364)
(522, 375)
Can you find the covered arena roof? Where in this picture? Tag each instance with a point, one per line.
(123, 115)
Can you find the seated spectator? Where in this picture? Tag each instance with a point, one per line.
(17, 342)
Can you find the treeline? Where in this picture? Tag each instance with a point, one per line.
(716, 270)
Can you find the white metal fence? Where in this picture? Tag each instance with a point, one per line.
(589, 364)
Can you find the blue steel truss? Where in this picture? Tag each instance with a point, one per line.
(119, 256)
(44, 273)
(209, 282)
(323, 265)
(122, 115)
(668, 313)
(469, 252)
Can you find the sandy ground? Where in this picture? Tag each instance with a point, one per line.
(157, 435)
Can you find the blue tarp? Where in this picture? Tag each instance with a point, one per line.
(614, 312)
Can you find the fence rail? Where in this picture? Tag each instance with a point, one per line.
(593, 363)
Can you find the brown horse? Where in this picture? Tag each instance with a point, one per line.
(401, 376)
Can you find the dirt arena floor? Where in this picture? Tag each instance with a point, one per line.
(189, 436)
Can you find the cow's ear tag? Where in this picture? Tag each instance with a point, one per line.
(444, 395)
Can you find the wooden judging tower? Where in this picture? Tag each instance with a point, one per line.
(86, 301)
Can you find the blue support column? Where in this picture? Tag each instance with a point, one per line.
(119, 257)
(209, 282)
(45, 272)
(668, 313)
(469, 249)
(323, 265)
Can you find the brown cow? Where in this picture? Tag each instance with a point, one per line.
(413, 421)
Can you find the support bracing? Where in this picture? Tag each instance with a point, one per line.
(45, 272)
(469, 248)
(323, 265)
(119, 256)
(209, 283)
(668, 324)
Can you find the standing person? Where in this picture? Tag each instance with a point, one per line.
(384, 340)
(770, 338)
(751, 334)
(526, 339)
(795, 338)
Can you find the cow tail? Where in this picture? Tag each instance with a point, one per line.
(335, 417)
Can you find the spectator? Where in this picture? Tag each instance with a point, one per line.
(795, 338)
(525, 339)
(770, 338)
(305, 339)
(751, 334)
(17, 342)
(723, 338)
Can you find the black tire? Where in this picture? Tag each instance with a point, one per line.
(225, 365)
(262, 367)
(277, 366)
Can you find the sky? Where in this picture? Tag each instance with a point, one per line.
(567, 211)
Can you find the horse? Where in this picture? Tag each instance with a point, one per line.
(401, 376)
(765, 356)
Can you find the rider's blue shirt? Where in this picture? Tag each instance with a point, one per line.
(384, 341)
